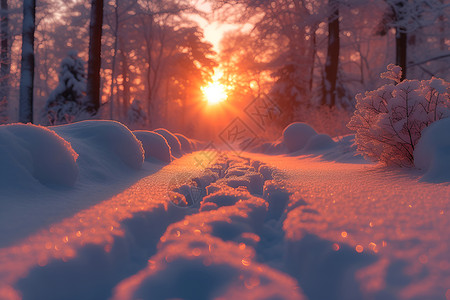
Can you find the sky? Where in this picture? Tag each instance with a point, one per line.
(213, 31)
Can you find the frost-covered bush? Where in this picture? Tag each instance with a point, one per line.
(389, 121)
(65, 103)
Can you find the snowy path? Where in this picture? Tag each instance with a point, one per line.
(304, 229)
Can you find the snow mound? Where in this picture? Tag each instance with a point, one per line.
(319, 142)
(105, 147)
(432, 152)
(155, 145)
(197, 145)
(29, 152)
(172, 140)
(297, 135)
(185, 143)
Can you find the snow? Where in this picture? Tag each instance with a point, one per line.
(185, 143)
(173, 141)
(316, 223)
(319, 142)
(432, 152)
(296, 135)
(103, 144)
(31, 154)
(155, 145)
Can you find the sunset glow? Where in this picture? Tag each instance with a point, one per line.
(214, 92)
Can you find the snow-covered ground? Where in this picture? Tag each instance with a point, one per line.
(128, 223)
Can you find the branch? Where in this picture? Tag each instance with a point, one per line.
(429, 59)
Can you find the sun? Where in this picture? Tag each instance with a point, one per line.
(215, 92)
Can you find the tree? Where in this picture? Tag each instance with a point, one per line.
(113, 66)
(95, 60)
(406, 17)
(65, 103)
(4, 62)
(27, 62)
(283, 44)
(332, 61)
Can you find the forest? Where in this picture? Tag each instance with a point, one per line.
(145, 63)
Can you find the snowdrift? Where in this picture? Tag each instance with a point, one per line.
(30, 153)
(185, 143)
(432, 152)
(97, 150)
(172, 140)
(299, 139)
(296, 135)
(105, 148)
(155, 145)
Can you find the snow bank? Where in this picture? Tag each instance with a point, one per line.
(105, 147)
(296, 135)
(319, 142)
(172, 140)
(432, 152)
(197, 145)
(185, 143)
(29, 153)
(155, 145)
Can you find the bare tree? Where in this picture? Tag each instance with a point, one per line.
(27, 62)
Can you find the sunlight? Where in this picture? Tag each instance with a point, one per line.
(214, 92)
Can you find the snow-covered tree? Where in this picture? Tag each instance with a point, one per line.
(65, 103)
(137, 117)
(406, 17)
(389, 121)
(27, 62)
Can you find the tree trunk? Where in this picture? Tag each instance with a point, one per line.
(401, 38)
(113, 67)
(4, 62)
(332, 62)
(27, 62)
(313, 57)
(400, 51)
(442, 30)
(95, 60)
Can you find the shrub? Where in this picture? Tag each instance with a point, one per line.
(389, 121)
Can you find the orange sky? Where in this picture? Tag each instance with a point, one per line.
(213, 30)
